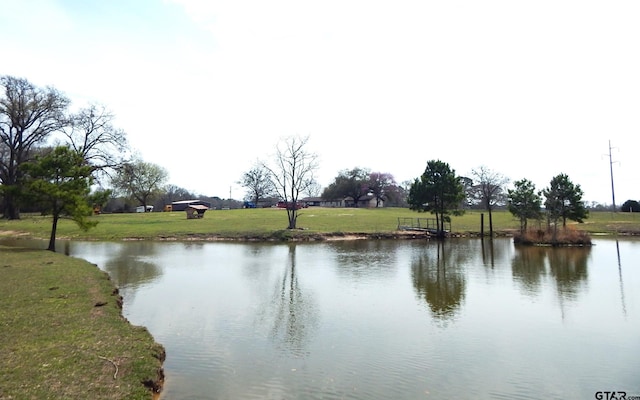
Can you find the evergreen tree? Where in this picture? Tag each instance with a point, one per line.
(524, 202)
(563, 201)
(439, 191)
(60, 182)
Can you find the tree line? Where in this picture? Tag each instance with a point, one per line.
(58, 162)
(440, 191)
(353, 184)
(63, 163)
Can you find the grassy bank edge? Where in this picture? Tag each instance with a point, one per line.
(314, 223)
(63, 335)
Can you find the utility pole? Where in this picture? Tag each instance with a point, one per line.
(613, 193)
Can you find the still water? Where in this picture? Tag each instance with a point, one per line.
(384, 319)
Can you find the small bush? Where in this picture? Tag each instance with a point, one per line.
(568, 236)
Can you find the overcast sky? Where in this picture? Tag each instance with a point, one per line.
(204, 88)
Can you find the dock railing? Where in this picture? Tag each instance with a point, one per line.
(421, 224)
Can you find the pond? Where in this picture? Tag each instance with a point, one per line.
(467, 318)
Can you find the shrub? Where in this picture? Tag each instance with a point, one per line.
(564, 237)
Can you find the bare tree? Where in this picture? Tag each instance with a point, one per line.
(28, 115)
(170, 193)
(292, 173)
(258, 183)
(314, 190)
(140, 180)
(91, 133)
(489, 189)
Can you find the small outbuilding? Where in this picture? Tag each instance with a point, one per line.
(195, 211)
(183, 204)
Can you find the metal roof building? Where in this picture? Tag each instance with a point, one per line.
(183, 204)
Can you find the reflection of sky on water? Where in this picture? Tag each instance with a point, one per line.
(383, 319)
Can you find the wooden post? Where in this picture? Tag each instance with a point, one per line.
(481, 224)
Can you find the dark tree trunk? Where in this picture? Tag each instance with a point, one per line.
(490, 224)
(11, 207)
(52, 238)
(292, 214)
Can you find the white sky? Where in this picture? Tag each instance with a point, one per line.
(204, 88)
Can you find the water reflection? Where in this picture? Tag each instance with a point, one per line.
(622, 300)
(362, 259)
(528, 267)
(291, 314)
(130, 265)
(487, 247)
(569, 267)
(347, 320)
(438, 278)
(493, 251)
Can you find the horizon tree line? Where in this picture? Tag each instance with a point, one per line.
(440, 191)
(36, 121)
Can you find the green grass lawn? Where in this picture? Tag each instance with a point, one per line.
(62, 333)
(271, 222)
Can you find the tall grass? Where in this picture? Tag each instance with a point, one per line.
(563, 236)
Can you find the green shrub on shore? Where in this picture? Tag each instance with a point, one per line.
(62, 334)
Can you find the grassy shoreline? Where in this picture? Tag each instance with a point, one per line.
(270, 224)
(63, 336)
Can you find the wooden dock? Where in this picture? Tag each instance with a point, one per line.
(427, 225)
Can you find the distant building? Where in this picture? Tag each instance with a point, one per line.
(183, 204)
(368, 201)
(314, 201)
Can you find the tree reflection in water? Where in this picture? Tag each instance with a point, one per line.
(291, 314)
(488, 244)
(128, 266)
(528, 268)
(438, 278)
(494, 252)
(567, 265)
